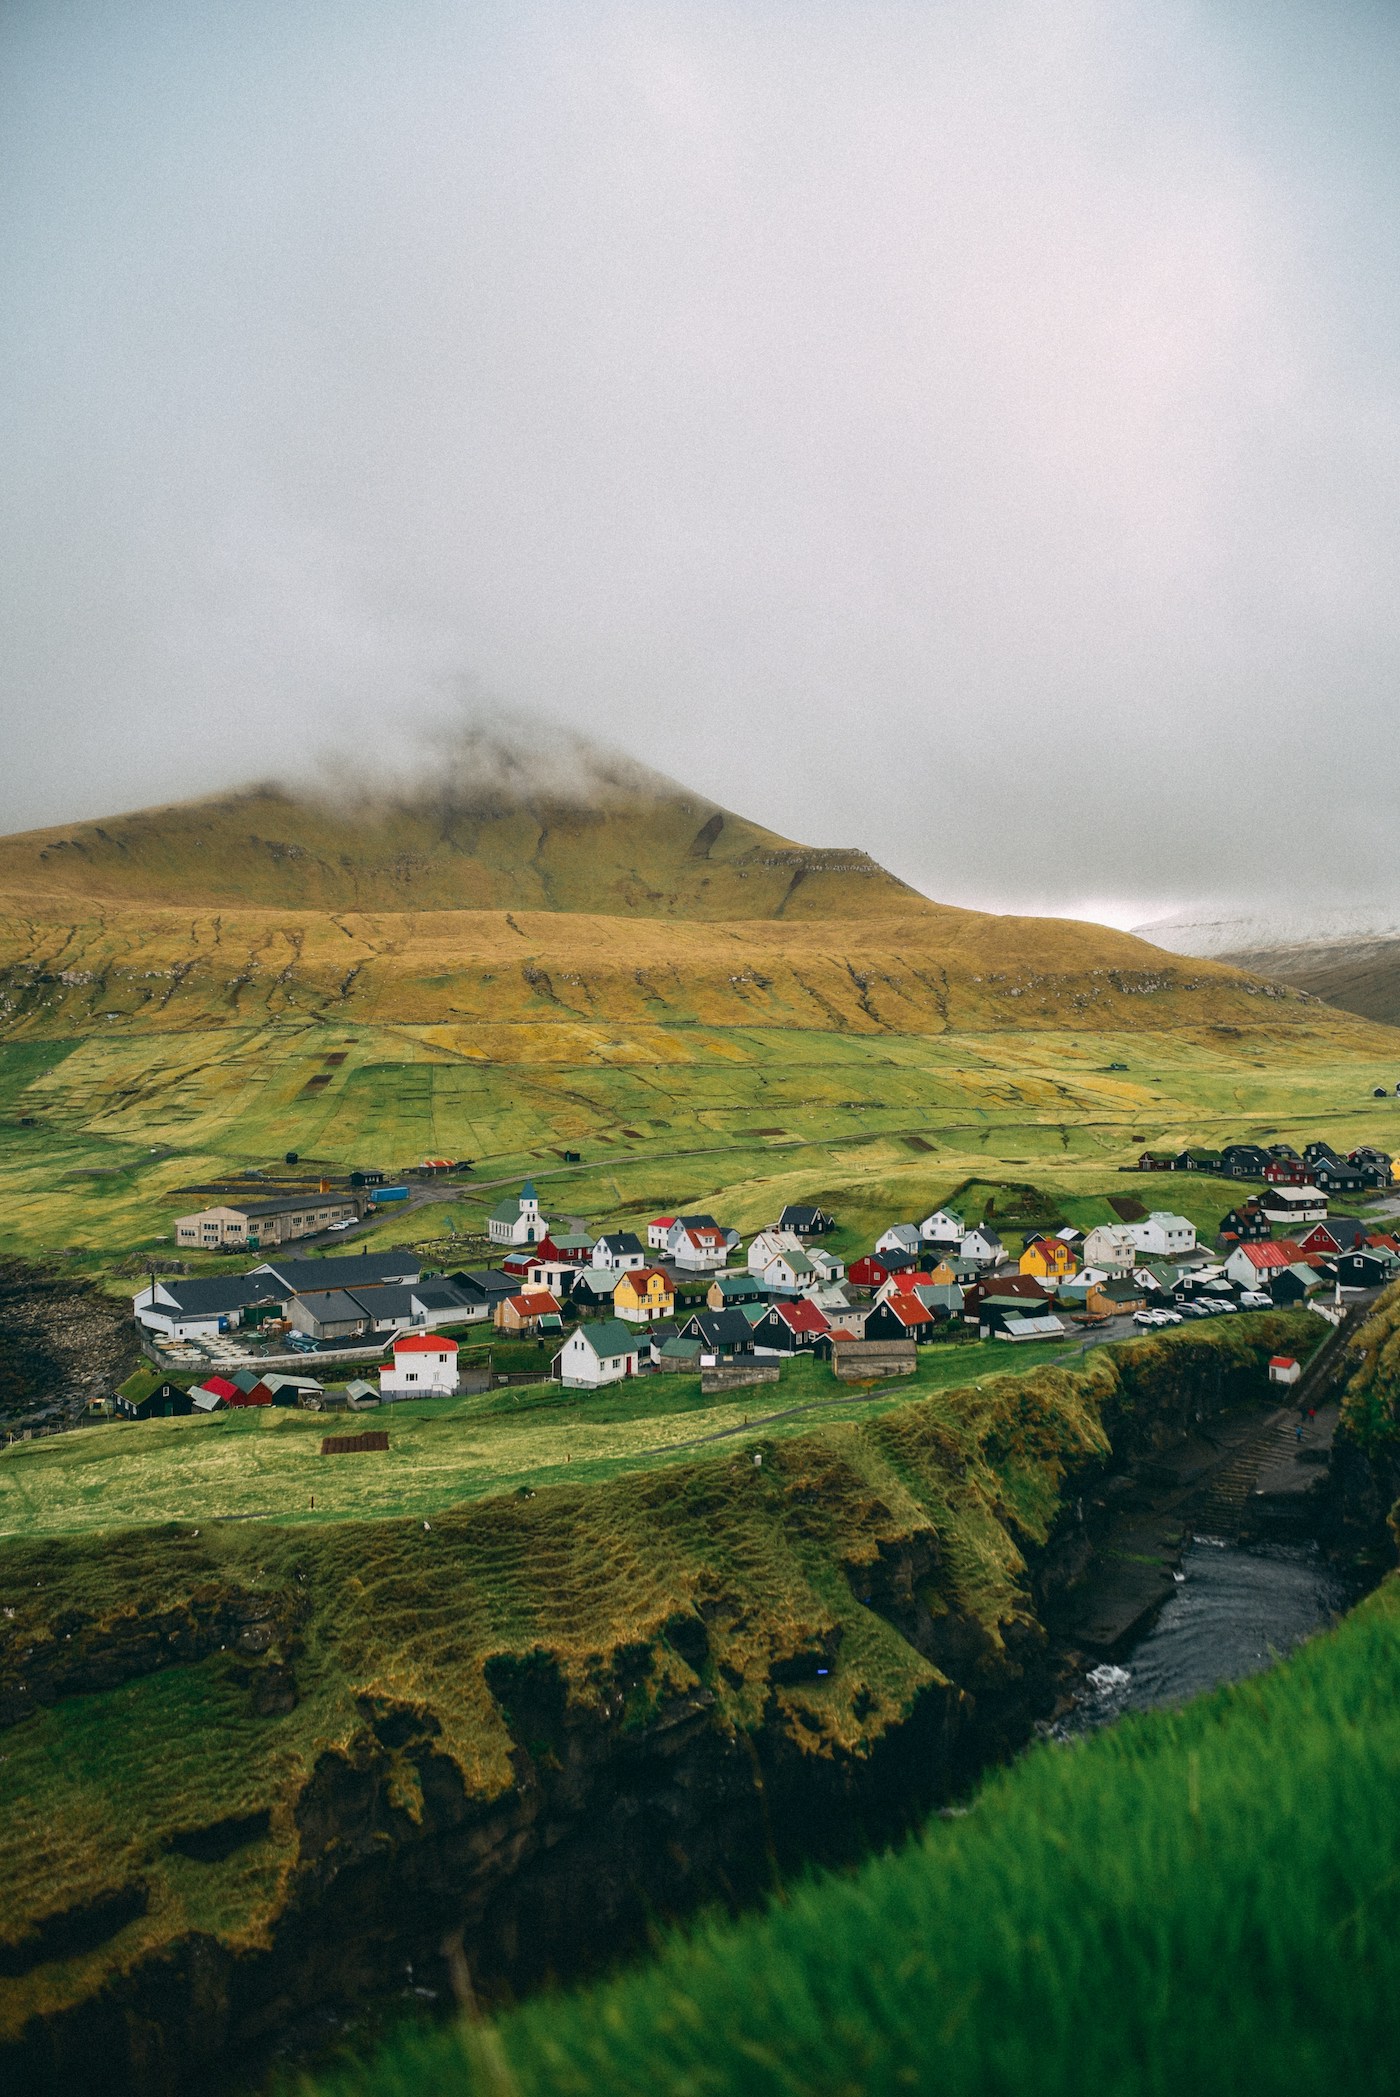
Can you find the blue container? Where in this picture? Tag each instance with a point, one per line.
(383, 1194)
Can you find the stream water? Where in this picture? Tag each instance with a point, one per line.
(1237, 1609)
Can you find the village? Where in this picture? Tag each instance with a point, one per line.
(684, 1294)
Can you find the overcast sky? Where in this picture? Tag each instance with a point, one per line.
(966, 430)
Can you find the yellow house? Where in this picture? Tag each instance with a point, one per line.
(644, 1295)
(1048, 1259)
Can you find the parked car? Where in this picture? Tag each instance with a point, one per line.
(1256, 1300)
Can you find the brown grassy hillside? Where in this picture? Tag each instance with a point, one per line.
(1360, 975)
(640, 846)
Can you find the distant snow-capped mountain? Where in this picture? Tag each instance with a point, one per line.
(1209, 932)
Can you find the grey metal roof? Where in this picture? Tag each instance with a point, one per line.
(211, 1296)
(347, 1270)
(331, 1306)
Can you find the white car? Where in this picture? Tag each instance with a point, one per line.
(1152, 1317)
(1256, 1300)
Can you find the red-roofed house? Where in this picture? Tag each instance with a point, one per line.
(701, 1247)
(790, 1328)
(659, 1231)
(424, 1366)
(1283, 1369)
(1251, 1266)
(900, 1316)
(523, 1313)
(214, 1392)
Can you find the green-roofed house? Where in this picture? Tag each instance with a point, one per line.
(604, 1352)
(517, 1219)
(675, 1355)
(147, 1395)
(729, 1292)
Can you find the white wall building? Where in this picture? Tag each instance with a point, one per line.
(943, 1227)
(700, 1248)
(1111, 1245)
(619, 1252)
(517, 1219)
(597, 1354)
(769, 1244)
(1163, 1234)
(424, 1366)
(900, 1237)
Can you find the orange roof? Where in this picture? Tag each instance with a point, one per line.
(424, 1343)
(535, 1303)
(638, 1277)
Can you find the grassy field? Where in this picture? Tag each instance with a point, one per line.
(1203, 1900)
(127, 1126)
(266, 1462)
(712, 1015)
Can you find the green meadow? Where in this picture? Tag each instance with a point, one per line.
(266, 1462)
(125, 1128)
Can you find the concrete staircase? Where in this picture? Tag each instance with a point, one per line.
(1232, 1485)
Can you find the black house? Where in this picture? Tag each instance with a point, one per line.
(808, 1222)
(1246, 1226)
(1286, 1287)
(1243, 1161)
(1197, 1159)
(1315, 1152)
(168, 1401)
(1363, 1270)
(719, 1332)
(1338, 1176)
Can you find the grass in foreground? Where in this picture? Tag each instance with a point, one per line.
(1203, 1900)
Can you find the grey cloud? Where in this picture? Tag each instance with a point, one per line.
(968, 433)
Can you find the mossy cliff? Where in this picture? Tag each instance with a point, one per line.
(253, 1773)
(1365, 1482)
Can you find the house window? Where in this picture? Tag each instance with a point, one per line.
(411, 1376)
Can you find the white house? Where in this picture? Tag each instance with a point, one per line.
(597, 1354)
(619, 1252)
(1162, 1234)
(829, 1268)
(1255, 1266)
(555, 1275)
(424, 1366)
(1111, 1245)
(517, 1219)
(943, 1227)
(659, 1232)
(699, 1247)
(900, 1237)
(794, 1271)
(982, 1245)
(769, 1244)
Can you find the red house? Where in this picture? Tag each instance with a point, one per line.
(873, 1269)
(1338, 1234)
